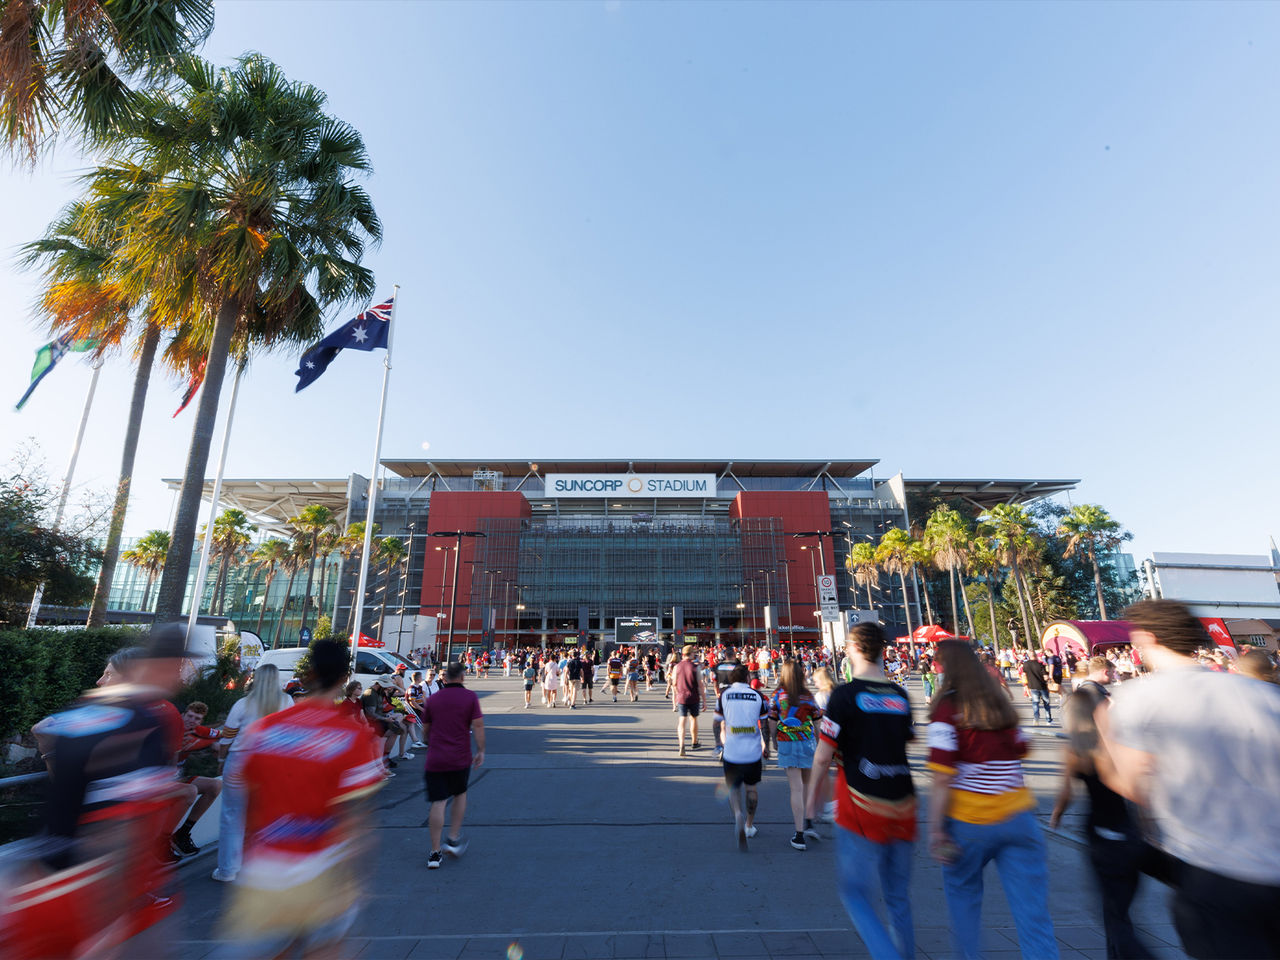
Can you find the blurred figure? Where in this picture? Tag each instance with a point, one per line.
(263, 699)
(1195, 747)
(304, 773)
(113, 798)
(1256, 664)
(981, 809)
(1116, 847)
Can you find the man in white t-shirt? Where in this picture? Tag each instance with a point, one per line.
(1196, 749)
(739, 711)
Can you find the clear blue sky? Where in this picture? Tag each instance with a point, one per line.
(1010, 240)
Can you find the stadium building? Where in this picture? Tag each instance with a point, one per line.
(531, 551)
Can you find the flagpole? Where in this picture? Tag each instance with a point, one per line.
(206, 551)
(66, 481)
(357, 613)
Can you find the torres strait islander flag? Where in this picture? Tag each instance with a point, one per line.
(47, 358)
(368, 331)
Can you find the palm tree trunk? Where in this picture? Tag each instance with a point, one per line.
(351, 610)
(215, 601)
(324, 575)
(1035, 616)
(968, 613)
(146, 593)
(177, 566)
(955, 616)
(871, 604)
(906, 602)
(991, 611)
(922, 584)
(311, 576)
(111, 549)
(266, 592)
(1022, 605)
(1097, 584)
(284, 608)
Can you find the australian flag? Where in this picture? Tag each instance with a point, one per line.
(366, 332)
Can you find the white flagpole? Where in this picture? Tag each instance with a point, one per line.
(206, 550)
(357, 613)
(66, 481)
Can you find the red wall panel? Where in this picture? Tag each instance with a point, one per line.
(800, 511)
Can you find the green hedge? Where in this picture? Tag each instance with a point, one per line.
(41, 671)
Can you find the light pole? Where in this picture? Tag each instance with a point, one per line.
(453, 597)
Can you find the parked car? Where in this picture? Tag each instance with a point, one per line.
(370, 664)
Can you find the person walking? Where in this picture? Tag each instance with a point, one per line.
(1116, 848)
(306, 773)
(452, 718)
(573, 679)
(980, 808)
(688, 696)
(740, 710)
(530, 675)
(867, 725)
(550, 682)
(793, 715)
(1037, 686)
(1194, 748)
(264, 698)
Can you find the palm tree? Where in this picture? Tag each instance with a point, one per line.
(325, 547)
(231, 536)
(351, 544)
(240, 218)
(293, 561)
(314, 521)
(922, 558)
(981, 559)
(390, 552)
(894, 554)
(148, 554)
(947, 532)
(1090, 526)
(861, 564)
(1011, 538)
(268, 556)
(69, 65)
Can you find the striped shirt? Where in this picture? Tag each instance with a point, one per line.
(986, 766)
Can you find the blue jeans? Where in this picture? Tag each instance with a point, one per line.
(858, 861)
(231, 820)
(1017, 847)
(1038, 697)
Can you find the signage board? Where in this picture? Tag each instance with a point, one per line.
(827, 598)
(304, 636)
(627, 632)
(250, 650)
(646, 485)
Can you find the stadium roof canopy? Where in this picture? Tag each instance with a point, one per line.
(741, 468)
(270, 503)
(985, 494)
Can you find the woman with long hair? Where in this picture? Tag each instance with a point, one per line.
(825, 683)
(981, 809)
(793, 717)
(265, 697)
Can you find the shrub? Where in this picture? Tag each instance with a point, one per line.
(44, 670)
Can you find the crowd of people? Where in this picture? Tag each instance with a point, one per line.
(1167, 787)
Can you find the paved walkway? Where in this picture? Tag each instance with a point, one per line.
(590, 838)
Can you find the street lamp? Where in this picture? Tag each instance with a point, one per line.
(453, 597)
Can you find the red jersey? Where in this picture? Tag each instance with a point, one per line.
(299, 766)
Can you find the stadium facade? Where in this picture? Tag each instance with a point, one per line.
(551, 550)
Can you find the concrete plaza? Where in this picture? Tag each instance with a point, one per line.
(591, 838)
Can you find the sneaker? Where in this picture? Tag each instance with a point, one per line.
(719, 753)
(697, 745)
(810, 831)
(405, 756)
(435, 860)
(829, 812)
(797, 842)
(223, 877)
(419, 746)
(181, 841)
(391, 762)
(740, 832)
(682, 752)
(751, 832)
(169, 852)
(456, 847)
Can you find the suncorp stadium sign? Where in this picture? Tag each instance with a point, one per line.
(647, 485)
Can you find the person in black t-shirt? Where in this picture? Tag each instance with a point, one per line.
(1037, 681)
(1117, 851)
(866, 727)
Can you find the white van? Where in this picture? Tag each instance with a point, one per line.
(370, 664)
